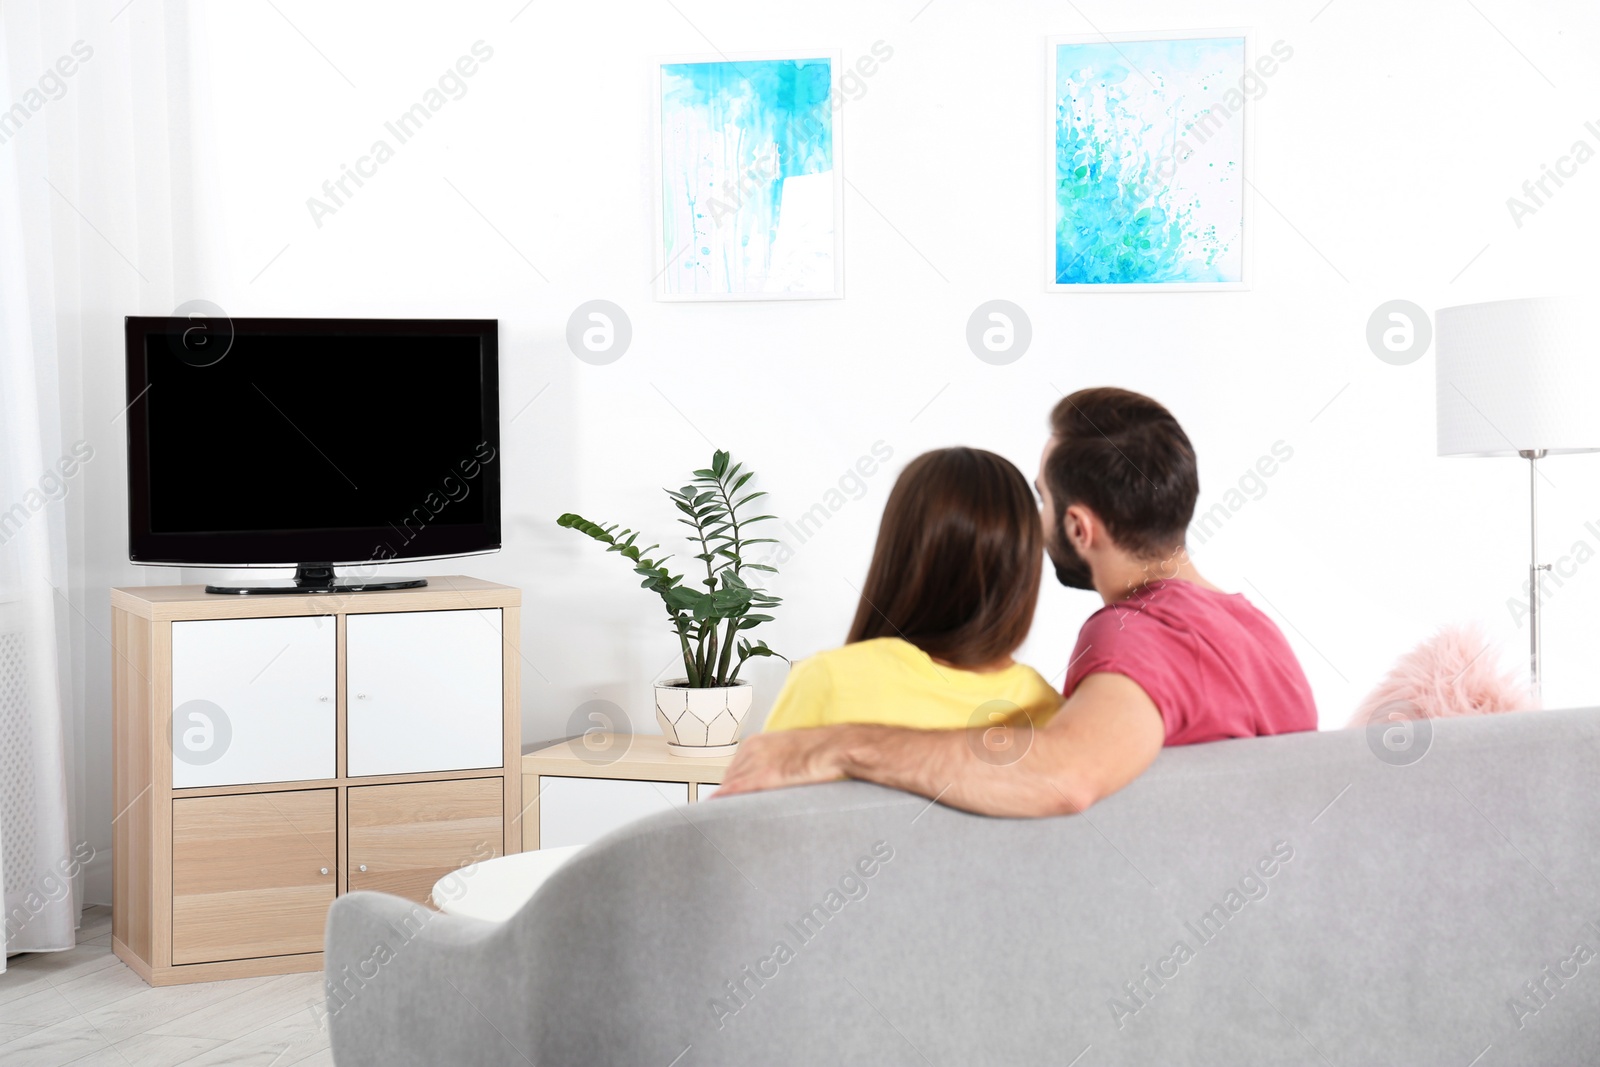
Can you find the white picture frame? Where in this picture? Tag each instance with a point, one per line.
(1239, 123)
(669, 249)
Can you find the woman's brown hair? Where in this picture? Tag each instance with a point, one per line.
(956, 568)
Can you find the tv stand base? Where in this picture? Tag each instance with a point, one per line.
(318, 578)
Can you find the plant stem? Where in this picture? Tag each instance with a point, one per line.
(723, 677)
(705, 550)
(689, 667)
(733, 520)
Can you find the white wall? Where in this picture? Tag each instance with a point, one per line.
(1384, 153)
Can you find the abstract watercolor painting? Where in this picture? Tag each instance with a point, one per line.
(1146, 170)
(749, 179)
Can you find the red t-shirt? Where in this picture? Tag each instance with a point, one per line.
(1214, 665)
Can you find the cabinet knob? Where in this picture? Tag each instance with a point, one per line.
(324, 870)
(362, 868)
(361, 696)
(324, 700)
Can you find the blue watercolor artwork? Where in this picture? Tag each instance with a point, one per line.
(1148, 163)
(749, 193)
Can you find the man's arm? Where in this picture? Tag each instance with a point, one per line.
(1102, 738)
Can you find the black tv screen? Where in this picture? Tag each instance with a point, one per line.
(272, 442)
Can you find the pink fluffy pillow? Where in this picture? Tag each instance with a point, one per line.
(1454, 672)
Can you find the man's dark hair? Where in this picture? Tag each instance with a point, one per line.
(1124, 456)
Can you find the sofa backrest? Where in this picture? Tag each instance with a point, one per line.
(1311, 898)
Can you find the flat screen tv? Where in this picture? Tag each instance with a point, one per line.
(312, 443)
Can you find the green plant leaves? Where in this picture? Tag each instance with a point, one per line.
(707, 506)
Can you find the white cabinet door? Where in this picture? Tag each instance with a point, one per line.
(576, 811)
(252, 701)
(423, 692)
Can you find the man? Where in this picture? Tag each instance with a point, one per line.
(1169, 660)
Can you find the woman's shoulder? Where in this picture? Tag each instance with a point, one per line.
(1026, 678)
(891, 653)
(1029, 690)
(861, 656)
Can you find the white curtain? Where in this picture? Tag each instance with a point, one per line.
(95, 182)
(37, 864)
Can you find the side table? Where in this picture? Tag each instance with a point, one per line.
(582, 788)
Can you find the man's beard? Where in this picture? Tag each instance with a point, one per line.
(1071, 570)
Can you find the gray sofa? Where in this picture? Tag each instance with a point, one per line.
(1308, 899)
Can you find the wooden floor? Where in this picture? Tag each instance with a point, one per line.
(85, 1007)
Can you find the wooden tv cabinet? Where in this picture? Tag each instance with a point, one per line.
(272, 752)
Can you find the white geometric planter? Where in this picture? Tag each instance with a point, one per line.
(701, 722)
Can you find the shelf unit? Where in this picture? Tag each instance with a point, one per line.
(272, 752)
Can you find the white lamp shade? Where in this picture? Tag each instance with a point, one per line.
(1517, 375)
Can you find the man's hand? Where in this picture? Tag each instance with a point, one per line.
(1103, 737)
(788, 757)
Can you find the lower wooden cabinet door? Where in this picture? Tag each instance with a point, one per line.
(252, 874)
(403, 838)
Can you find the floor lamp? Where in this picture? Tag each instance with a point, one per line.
(1519, 378)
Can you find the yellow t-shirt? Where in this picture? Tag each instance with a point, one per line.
(894, 683)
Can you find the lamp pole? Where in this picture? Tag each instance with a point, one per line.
(1533, 455)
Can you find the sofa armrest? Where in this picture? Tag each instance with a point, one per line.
(405, 984)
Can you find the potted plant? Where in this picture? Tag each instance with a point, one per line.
(701, 713)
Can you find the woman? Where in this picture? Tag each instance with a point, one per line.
(948, 598)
